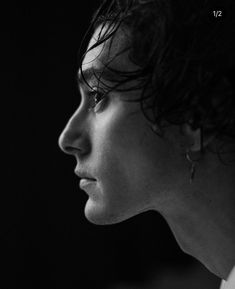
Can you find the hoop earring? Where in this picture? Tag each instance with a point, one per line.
(193, 166)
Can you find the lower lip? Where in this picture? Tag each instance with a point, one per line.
(86, 182)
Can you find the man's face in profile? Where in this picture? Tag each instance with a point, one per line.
(134, 170)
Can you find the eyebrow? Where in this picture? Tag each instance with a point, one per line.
(95, 73)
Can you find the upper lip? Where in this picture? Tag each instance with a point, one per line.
(83, 174)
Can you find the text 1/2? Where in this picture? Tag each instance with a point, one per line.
(217, 13)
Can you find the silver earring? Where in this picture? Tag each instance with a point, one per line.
(193, 166)
(193, 162)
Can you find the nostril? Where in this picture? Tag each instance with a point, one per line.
(70, 142)
(69, 150)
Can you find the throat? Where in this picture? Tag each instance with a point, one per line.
(209, 240)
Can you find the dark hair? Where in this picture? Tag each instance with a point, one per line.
(186, 58)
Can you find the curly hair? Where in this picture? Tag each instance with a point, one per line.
(185, 56)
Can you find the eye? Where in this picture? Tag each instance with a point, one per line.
(98, 98)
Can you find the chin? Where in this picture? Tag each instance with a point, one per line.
(99, 214)
(102, 218)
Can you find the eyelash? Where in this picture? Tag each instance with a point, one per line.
(93, 95)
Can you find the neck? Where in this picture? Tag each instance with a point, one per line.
(204, 223)
(209, 241)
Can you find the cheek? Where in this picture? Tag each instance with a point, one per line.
(122, 195)
(115, 143)
(113, 177)
(123, 165)
(126, 153)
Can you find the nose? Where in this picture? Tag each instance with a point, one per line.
(71, 140)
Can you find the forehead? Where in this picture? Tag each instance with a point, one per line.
(110, 52)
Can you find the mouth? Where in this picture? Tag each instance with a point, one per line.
(86, 182)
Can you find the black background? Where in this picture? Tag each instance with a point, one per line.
(47, 241)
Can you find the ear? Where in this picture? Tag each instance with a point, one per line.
(195, 139)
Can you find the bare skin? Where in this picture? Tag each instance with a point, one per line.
(137, 171)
